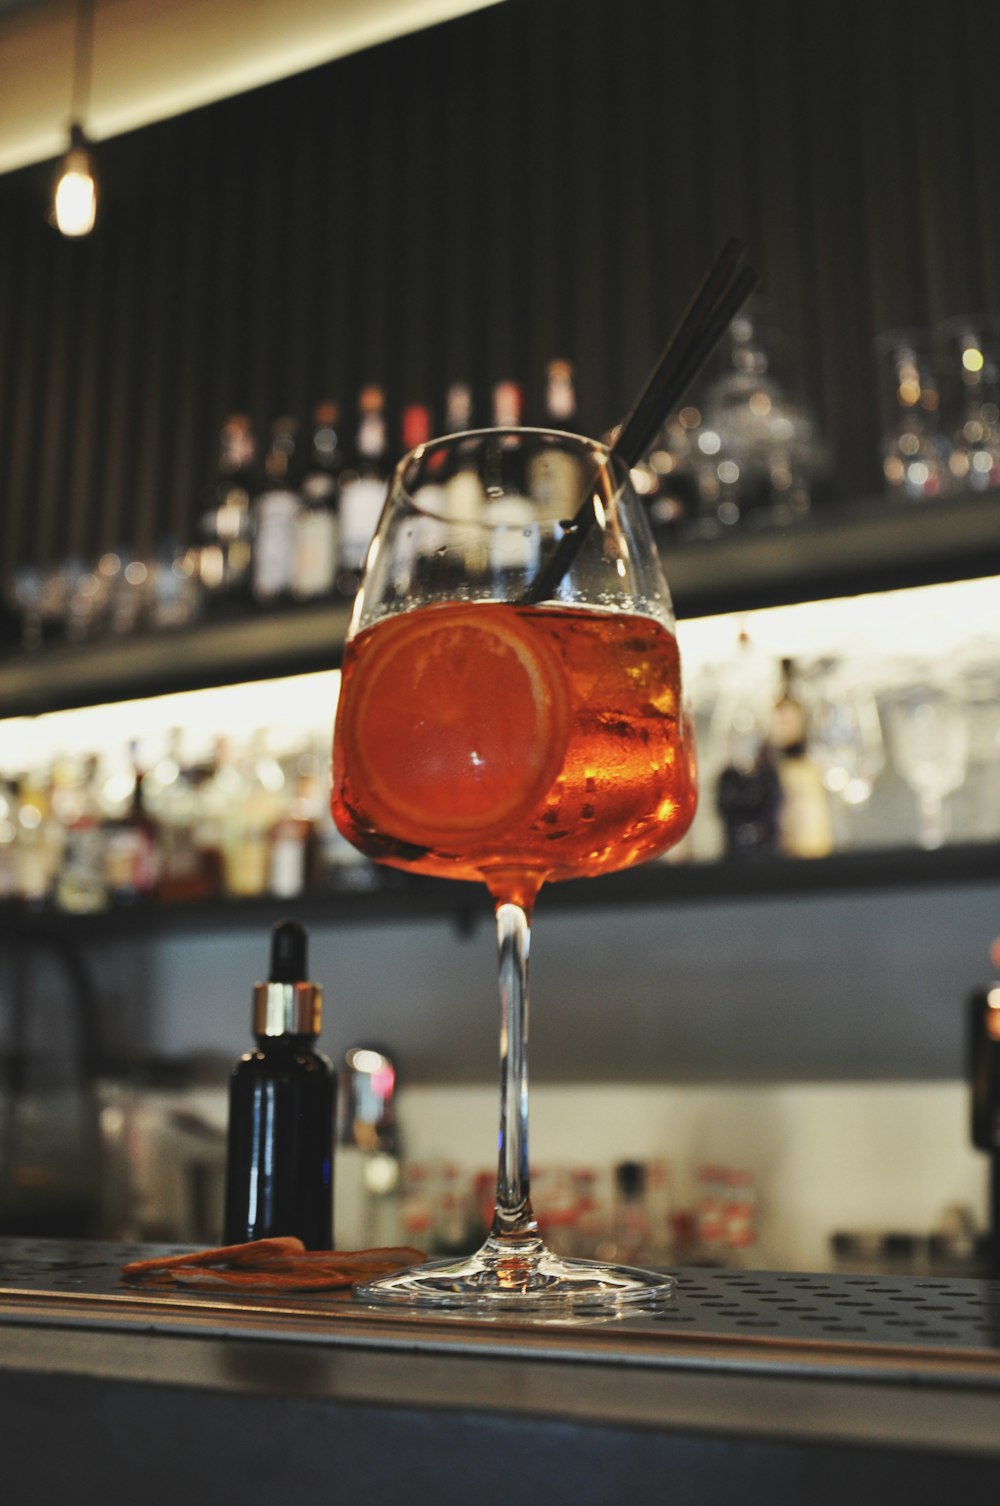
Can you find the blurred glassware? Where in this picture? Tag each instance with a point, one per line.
(845, 736)
(980, 682)
(130, 596)
(25, 595)
(929, 731)
(970, 367)
(89, 599)
(175, 593)
(979, 801)
(743, 451)
(915, 451)
(755, 454)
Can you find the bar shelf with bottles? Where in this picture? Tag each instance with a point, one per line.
(842, 768)
(879, 544)
(736, 487)
(880, 768)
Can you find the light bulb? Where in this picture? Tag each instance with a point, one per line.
(75, 200)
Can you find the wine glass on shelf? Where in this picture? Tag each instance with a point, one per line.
(845, 736)
(483, 734)
(930, 748)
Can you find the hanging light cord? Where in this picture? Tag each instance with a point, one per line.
(83, 56)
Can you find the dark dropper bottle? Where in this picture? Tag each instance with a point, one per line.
(279, 1163)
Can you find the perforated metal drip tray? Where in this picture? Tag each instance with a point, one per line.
(925, 1328)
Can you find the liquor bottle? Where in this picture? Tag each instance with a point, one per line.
(710, 1215)
(739, 1216)
(416, 426)
(316, 524)
(39, 840)
(187, 868)
(560, 394)
(291, 856)
(417, 1210)
(282, 1096)
(557, 479)
(276, 510)
(130, 847)
(81, 886)
(362, 490)
(249, 821)
(628, 1234)
(463, 497)
(226, 526)
(748, 799)
(590, 1222)
(507, 405)
(513, 544)
(452, 1230)
(458, 408)
(423, 549)
(660, 1209)
(804, 823)
(748, 790)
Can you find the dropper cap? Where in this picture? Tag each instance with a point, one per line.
(287, 1004)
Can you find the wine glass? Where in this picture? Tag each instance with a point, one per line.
(930, 742)
(483, 734)
(845, 737)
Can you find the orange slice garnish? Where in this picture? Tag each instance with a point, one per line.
(453, 723)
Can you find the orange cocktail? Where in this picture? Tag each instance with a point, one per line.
(512, 744)
(511, 712)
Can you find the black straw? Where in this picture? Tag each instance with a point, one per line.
(711, 311)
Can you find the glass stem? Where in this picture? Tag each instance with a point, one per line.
(513, 1218)
(931, 818)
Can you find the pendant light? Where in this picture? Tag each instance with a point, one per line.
(74, 202)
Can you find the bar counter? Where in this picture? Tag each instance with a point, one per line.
(749, 1386)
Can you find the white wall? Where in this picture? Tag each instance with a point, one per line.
(832, 1156)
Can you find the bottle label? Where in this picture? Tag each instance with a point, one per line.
(315, 552)
(287, 869)
(360, 509)
(81, 884)
(246, 866)
(130, 861)
(274, 544)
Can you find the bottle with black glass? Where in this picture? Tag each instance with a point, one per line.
(748, 792)
(279, 1163)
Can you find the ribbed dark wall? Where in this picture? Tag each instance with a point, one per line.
(547, 177)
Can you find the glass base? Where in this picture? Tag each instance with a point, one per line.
(524, 1278)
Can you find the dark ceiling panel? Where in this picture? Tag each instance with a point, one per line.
(535, 180)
